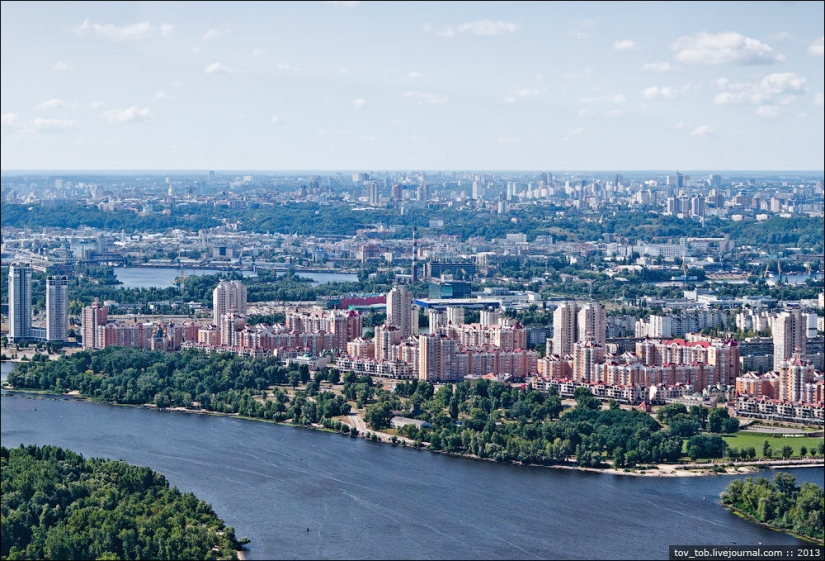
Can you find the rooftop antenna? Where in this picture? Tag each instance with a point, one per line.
(412, 271)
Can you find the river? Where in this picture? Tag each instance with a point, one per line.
(364, 500)
(164, 277)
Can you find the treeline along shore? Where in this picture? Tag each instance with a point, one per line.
(480, 419)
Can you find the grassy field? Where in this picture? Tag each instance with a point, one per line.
(745, 439)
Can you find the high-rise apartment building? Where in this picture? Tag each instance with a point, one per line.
(57, 308)
(228, 297)
(436, 356)
(564, 328)
(794, 373)
(373, 193)
(400, 312)
(591, 323)
(586, 356)
(91, 317)
(20, 302)
(789, 333)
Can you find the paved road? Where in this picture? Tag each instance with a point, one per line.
(355, 417)
(359, 424)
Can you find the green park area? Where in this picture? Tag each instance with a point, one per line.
(756, 440)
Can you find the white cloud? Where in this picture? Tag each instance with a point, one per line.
(768, 111)
(426, 97)
(728, 47)
(413, 75)
(11, 122)
(576, 131)
(50, 104)
(626, 45)
(578, 75)
(343, 70)
(587, 113)
(160, 94)
(166, 29)
(487, 27)
(702, 131)
(578, 34)
(656, 92)
(283, 66)
(131, 115)
(212, 33)
(817, 48)
(97, 104)
(62, 66)
(679, 125)
(659, 67)
(343, 4)
(218, 67)
(275, 119)
(507, 138)
(52, 125)
(587, 23)
(520, 94)
(759, 93)
(612, 113)
(617, 98)
(134, 32)
(361, 103)
(818, 99)
(481, 27)
(257, 52)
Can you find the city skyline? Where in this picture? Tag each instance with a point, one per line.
(379, 86)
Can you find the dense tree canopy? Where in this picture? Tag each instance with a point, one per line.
(58, 505)
(781, 503)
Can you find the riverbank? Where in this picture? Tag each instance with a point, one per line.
(693, 469)
(744, 515)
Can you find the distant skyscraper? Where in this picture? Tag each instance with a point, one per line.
(564, 328)
(789, 333)
(400, 312)
(477, 190)
(228, 296)
(372, 193)
(57, 308)
(20, 302)
(591, 323)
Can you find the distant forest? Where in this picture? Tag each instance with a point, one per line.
(315, 219)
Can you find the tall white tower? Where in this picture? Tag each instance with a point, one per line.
(57, 308)
(20, 302)
(400, 312)
(591, 323)
(228, 297)
(564, 328)
(789, 332)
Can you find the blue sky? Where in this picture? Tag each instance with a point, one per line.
(376, 86)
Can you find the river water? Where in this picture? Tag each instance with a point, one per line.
(365, 500)
(164, 277)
